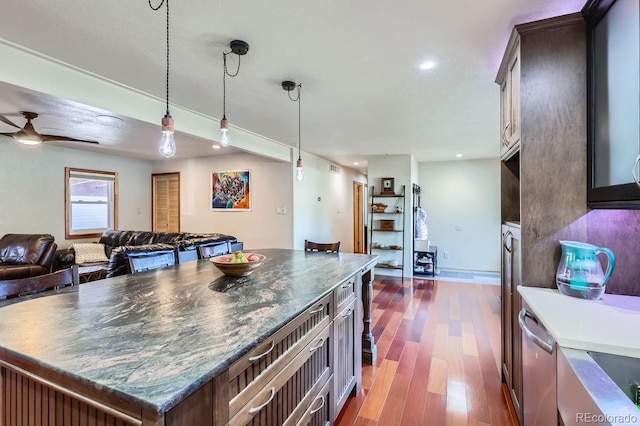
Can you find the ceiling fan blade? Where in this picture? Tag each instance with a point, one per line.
(7, 134)
(9, 122)
(53, 138)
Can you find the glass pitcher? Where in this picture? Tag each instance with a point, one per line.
(580, 272)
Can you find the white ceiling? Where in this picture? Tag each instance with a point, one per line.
(358, 61)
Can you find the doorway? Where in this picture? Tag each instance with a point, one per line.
(165, 202)
(359, 242)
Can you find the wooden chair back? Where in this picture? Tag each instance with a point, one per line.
(187, 256)
(150, 261)
(326, 247)
(25, 286)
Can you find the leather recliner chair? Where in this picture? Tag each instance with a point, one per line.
(26, 255)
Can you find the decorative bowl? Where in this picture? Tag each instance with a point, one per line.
(378, 207)
(223, 263)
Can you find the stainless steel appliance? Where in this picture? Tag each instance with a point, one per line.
(539, 393)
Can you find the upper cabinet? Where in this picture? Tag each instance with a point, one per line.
(509, 80)
(613, 103)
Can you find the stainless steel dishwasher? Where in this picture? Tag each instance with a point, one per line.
(539, 393)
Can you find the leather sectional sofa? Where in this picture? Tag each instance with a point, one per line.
(26, 255)
(119, 245)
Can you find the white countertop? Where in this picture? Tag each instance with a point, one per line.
(608, 325)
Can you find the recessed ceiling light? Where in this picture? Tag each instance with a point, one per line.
(215, 146)
(427, 65)
(109, 119)
(355, 163)
(458, 155)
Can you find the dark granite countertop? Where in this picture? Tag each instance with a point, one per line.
(155, 337)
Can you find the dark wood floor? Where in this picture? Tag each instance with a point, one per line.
(438, 357)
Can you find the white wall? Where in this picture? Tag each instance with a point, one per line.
(323, 203)
(401, 169)
(32, 188)
(462, 201)
(32, 194)
(271, 186)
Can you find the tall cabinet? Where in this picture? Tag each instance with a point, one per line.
(387, 229)
(542, 81)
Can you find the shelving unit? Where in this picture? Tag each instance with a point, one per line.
(385, 237)
(425, 257)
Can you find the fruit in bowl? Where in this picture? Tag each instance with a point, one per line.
(238, 264)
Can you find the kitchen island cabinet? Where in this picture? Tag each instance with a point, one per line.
(186, 345)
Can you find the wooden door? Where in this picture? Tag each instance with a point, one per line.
(165, 202)
(359, 245)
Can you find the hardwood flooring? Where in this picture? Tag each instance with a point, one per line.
(438, 357)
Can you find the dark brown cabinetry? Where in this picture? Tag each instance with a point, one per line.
(614, 110)
(511, 302)
(510, 102)
(543, 168)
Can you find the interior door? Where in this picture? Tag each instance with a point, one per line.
(359, 245)
(165, 202)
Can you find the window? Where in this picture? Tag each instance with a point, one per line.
(91, 202)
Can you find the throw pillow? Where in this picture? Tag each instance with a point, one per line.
(90, 253)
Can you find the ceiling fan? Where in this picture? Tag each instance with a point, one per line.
(29, 136)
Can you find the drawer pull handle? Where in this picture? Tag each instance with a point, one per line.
(634, 170)
(346, 314)
(257, 357)
(315, 311)
(347, 285)
(254, 410)
(315, 410)
(317, 346)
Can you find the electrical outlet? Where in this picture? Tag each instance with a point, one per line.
(446, 255)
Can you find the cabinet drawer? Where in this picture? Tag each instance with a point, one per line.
(345, 292)
(279, 400)
(249, 374)
(319, 411)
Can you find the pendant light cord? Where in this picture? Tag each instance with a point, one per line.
(226, 73)
(299, 120)
(224, 86)
(167, 76)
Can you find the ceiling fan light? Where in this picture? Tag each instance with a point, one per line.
(28, 138)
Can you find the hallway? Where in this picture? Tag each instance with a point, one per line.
(438, 357)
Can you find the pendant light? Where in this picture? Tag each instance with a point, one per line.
(289, 86)
(167, 143)
(240, 48)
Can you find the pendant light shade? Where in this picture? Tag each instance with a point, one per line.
(240, 48)
(299, 175)
(167, 142)
(289, 86)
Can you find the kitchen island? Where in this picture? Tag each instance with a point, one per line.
(188, 345)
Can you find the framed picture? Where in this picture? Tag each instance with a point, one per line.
(387, 186)
(231, 191)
